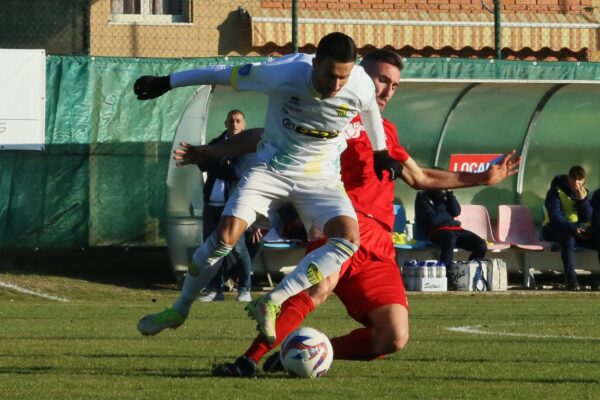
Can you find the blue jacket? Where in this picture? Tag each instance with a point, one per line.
(596, 211)
(554, 207)
(433, 209)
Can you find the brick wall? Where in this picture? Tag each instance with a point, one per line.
(508, 6)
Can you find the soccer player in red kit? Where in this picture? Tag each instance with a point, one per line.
(369, 284)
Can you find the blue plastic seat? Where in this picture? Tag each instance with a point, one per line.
(400, 223)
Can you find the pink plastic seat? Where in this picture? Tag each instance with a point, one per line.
(515, 227)
(476, 219)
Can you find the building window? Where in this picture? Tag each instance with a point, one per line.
(150, 11)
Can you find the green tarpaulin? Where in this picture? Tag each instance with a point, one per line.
(101, 179)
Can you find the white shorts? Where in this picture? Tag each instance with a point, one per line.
(262, 190)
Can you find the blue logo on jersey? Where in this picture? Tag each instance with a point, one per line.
(245, 70)
(287, 124)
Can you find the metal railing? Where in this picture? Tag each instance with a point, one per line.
(260, 28)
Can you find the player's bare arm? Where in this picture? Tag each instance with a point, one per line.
(433, 179)
(242, 143)
(199, 155)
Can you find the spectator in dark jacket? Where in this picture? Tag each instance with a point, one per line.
(221, 179)
(596, 220)
(569, 211)
(434, 215)
(596, 229)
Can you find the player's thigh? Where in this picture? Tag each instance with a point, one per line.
(319, 201)
(259, 191)
(369, 286)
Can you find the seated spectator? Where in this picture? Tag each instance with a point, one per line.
(569, 211)
(596, 229)
(595, 224)
(434, 215)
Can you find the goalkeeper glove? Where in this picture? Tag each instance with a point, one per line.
(383, 162)
(150, 87)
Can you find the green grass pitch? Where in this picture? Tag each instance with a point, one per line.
(521, 345)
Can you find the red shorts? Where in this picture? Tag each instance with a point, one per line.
(371, 278)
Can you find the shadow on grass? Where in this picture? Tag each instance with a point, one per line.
(132, 268)
(144, 268)
(185, 373)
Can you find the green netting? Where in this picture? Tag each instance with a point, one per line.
(101, 179)
(464, 69)
(419, 110)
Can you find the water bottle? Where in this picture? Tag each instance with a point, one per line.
(431, 268)
(409, 269)
(423, 270)
(409, 272)
(441, 269)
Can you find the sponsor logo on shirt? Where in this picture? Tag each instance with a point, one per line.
(353, 130)
(317, 133)
(342, 111)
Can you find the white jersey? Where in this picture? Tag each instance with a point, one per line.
(303, 134)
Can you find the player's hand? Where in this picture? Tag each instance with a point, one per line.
(198, 155)
(383, 162)
(503, 169)
(150, 87)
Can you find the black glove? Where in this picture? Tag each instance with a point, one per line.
(150, 87)
(383, 162)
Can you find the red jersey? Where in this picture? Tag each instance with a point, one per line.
(369, 195)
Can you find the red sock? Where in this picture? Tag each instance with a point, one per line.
(293, 312)
(357, 345)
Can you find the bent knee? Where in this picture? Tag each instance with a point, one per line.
(400, 342)
(355, 240)
(230, 229)
(319, 292)
(395, 343)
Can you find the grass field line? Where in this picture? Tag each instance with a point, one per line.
(476, 330)
(32, 292)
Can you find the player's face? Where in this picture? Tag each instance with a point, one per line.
(235, 123)
(330, 76)
(386, 78)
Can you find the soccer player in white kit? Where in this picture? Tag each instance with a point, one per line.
(310, 101)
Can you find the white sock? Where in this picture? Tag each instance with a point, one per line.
(205, 264)
(313, 268)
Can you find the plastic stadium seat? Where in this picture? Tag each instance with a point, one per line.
(515, 227)
(277, 254)
(475, 218)
(399, 218)
(274, 241)
(400, 223)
